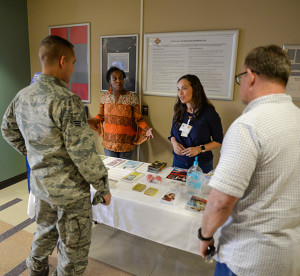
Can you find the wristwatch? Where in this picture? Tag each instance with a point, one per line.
(202, 238)
(202, 147)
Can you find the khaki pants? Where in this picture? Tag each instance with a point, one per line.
(69, 227)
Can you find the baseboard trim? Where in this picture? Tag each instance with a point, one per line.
(11, 181)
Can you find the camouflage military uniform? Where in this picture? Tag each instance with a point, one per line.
(47, 122)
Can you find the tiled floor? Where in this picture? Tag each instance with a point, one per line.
(114, 247)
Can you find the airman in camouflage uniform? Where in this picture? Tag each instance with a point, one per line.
(47, 123)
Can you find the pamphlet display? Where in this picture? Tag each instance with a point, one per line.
(178, 174)
(115, 162)
(151, 191)
(196, 204)
(112, 184)
(131, 165)
(122, 170)
(157, 166)
(139, 187)
(132, 177)
(170, 197)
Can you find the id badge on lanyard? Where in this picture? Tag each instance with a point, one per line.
(185, 129)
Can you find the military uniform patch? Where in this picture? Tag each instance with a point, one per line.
(77, 123)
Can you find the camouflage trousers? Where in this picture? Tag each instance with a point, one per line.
(69, 227)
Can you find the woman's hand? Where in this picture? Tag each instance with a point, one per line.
(94, 123)
(178, 148)
(149, 133)
(191, 152)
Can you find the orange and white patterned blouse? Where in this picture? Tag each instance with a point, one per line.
(118, 132)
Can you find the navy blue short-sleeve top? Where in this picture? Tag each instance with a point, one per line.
(205, 129)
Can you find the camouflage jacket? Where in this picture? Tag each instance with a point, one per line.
(47, 122)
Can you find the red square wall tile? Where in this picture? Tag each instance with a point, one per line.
(81, 90)
(61, 32)
(78, 35)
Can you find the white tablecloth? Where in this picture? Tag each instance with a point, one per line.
(145, 216)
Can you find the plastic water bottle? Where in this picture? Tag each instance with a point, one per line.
(194, 179)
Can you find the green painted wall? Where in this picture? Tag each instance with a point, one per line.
(14, 73)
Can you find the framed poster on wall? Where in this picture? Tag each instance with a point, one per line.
(120, 51)
(293, 85)
(79, 36)
(210, 55)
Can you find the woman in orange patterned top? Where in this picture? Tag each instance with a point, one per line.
(118, 109)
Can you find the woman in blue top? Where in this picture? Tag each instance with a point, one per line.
(196, 127)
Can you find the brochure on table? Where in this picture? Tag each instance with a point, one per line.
(119, 185)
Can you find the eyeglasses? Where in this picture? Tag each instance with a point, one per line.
(238, 77)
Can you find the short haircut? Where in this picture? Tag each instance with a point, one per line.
(271, 62)
(113, 69)
(53, 47)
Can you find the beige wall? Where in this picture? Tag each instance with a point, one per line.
(260, 22)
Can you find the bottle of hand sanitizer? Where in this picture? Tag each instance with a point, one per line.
(194, 178)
